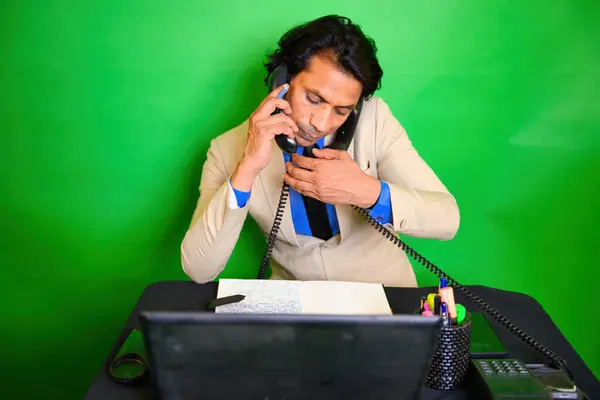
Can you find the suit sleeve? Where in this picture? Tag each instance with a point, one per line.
(421, 205)
(215, 226)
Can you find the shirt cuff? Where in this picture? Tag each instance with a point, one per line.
(381, 211)
(237, 199)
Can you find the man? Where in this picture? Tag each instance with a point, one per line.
(331, 64)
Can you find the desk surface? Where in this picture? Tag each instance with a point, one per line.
(521, 309)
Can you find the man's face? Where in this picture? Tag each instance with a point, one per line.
(321, 98)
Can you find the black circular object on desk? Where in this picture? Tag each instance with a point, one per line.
(129, 365)
(128, 368)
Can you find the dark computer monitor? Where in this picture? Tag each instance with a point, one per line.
(248, 356)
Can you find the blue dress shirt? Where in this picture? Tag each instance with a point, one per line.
(381, 210)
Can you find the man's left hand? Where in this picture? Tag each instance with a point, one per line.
(333, 177)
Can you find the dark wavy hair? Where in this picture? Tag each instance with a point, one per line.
(353, 51)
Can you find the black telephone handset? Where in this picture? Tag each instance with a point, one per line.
(344, 134)
(342, 142)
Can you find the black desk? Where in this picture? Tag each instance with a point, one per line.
(519, 308)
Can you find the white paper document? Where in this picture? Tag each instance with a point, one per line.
(303, 297)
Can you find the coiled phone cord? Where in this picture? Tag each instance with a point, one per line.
(515, 329)
(285, 191)
(393, 237)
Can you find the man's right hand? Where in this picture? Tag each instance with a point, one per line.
(262, 129)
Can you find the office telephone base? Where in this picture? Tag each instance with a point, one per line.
(513, 379)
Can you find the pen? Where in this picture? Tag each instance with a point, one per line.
(236, 298)
(436, 304)
(444, 313)
(443, 283)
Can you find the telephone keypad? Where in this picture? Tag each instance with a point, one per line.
(503, 367)
(509, 378)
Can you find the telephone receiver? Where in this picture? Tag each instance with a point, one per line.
(342, 142)
(344, 134)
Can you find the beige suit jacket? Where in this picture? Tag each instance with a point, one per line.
(421, 207)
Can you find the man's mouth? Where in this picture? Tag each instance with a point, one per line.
(306, 136)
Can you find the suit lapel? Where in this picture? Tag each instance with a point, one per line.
(345, 212)
(272, 180)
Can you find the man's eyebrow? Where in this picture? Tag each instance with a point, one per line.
(316, 93)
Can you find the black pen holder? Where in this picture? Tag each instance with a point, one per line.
(451, 359)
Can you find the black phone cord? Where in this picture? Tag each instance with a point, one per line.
(559, 362)
(285, 191)
(515, 329)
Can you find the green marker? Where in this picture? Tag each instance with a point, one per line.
(461, 313)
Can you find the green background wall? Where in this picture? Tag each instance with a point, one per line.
(107, 109)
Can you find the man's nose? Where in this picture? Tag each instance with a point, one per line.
(320, 120)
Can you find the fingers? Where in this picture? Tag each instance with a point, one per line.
(301, 187)
(267, 109)
(299, 173)
(281, 121)
(272, 104)
(331, 154)
(277, 119)
(304, 162)
(277, 129)
(279, 91)
(272, 101)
